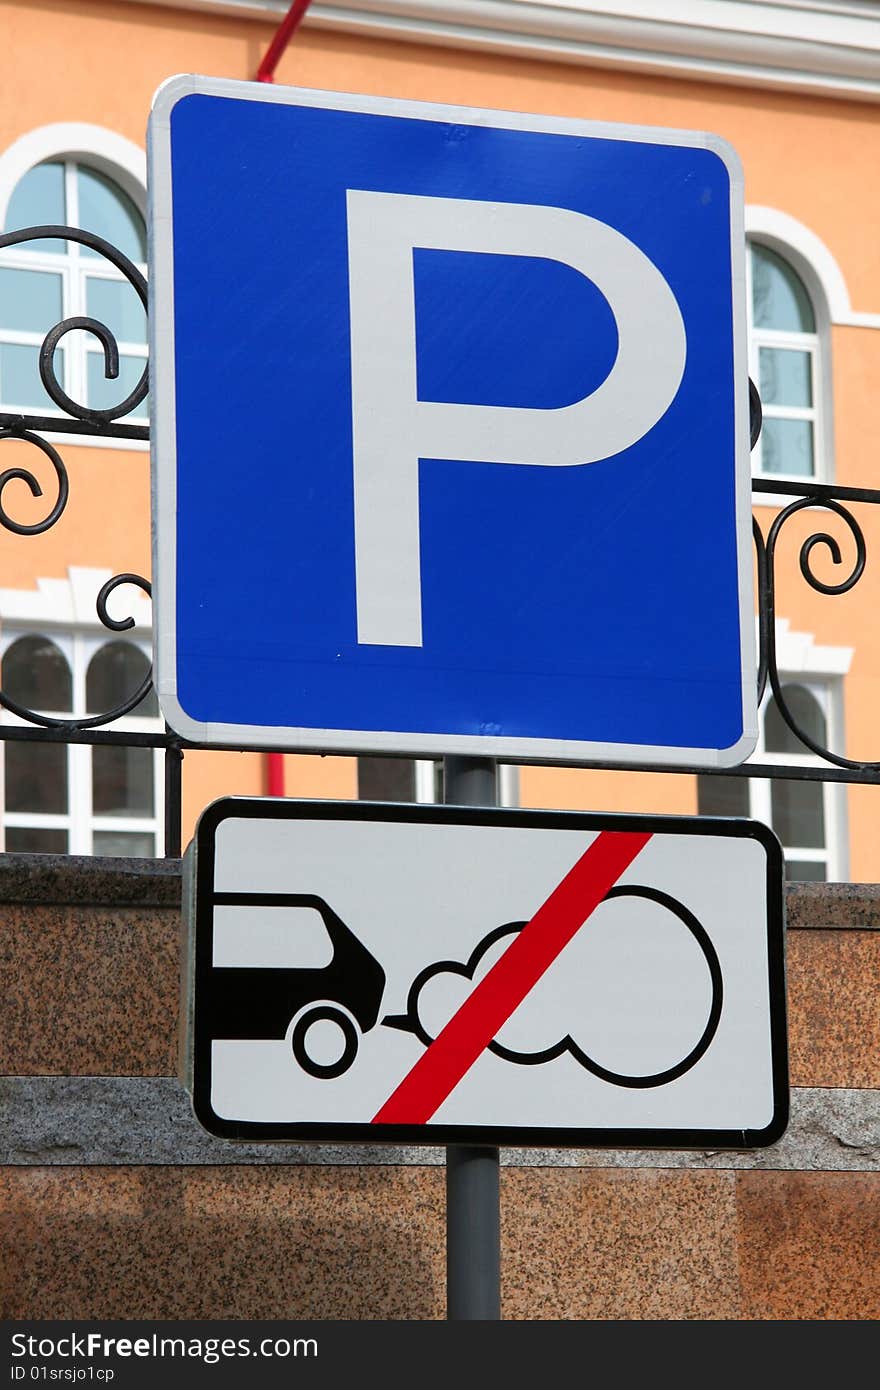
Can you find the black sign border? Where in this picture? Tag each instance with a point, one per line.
(433, 1135)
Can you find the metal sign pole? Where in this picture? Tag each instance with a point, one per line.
(473, 1221)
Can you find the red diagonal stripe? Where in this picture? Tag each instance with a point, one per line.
(488, 1007)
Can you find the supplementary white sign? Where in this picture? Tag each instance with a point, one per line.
(429, 974)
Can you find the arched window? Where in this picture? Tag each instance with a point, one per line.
(115, 672)
(64, 798)
(786, 353)
(123, 782)
(797, 809)
(43, 282)
(805, 814)
(806, 712)
(36, 674)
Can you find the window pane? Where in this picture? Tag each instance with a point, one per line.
(36, 777)
(797, 813)
(807, 714)
(787, 447)
(779, 298)
(104, 394)
(386, 779)
(129, 844)
(25, 839)
(20, 382)
(30, 300)
(36, 674)
(116, 304)
(722, 796)
(37, 200)
(122, 781)
(115, 673)
(805, 871)
(786, 377)
(110, 213)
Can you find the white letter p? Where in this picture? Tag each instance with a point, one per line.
(393, 429)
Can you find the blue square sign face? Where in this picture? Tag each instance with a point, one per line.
(451, 431)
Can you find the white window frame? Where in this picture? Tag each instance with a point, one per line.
(124, 163)
(824, 280)
(820, 669)
(64, 613)
(815, 345)
(828, 694)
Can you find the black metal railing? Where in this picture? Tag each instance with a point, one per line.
(79, 419)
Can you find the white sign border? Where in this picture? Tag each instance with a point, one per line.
(196, 1054)
(508, 748)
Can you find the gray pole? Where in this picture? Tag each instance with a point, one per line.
(473, 1210)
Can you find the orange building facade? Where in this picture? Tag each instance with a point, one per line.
(794, 90)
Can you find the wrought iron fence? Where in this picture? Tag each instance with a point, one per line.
(83, 420)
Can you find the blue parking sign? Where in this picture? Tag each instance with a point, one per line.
(450, 431)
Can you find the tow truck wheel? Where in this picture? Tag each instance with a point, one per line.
(309, 1040)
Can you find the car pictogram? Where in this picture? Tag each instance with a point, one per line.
(275, 1001)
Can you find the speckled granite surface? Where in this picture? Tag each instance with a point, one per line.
(655, 1244)
(93, 990)
(609, 1244)
(50, 878)
(220, 1243)
(127, 1121)
(833, 987)
(89, 989)
(71, 878)
(840, 905)
(88, 951)
(370, 1243)
(809, 1245)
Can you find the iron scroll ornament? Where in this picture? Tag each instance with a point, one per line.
(124, 706)
(768, 667)
(83, 413)
(85, 420)
(57, 462)
(80, 418)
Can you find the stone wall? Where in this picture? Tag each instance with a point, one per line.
(116, 1204)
